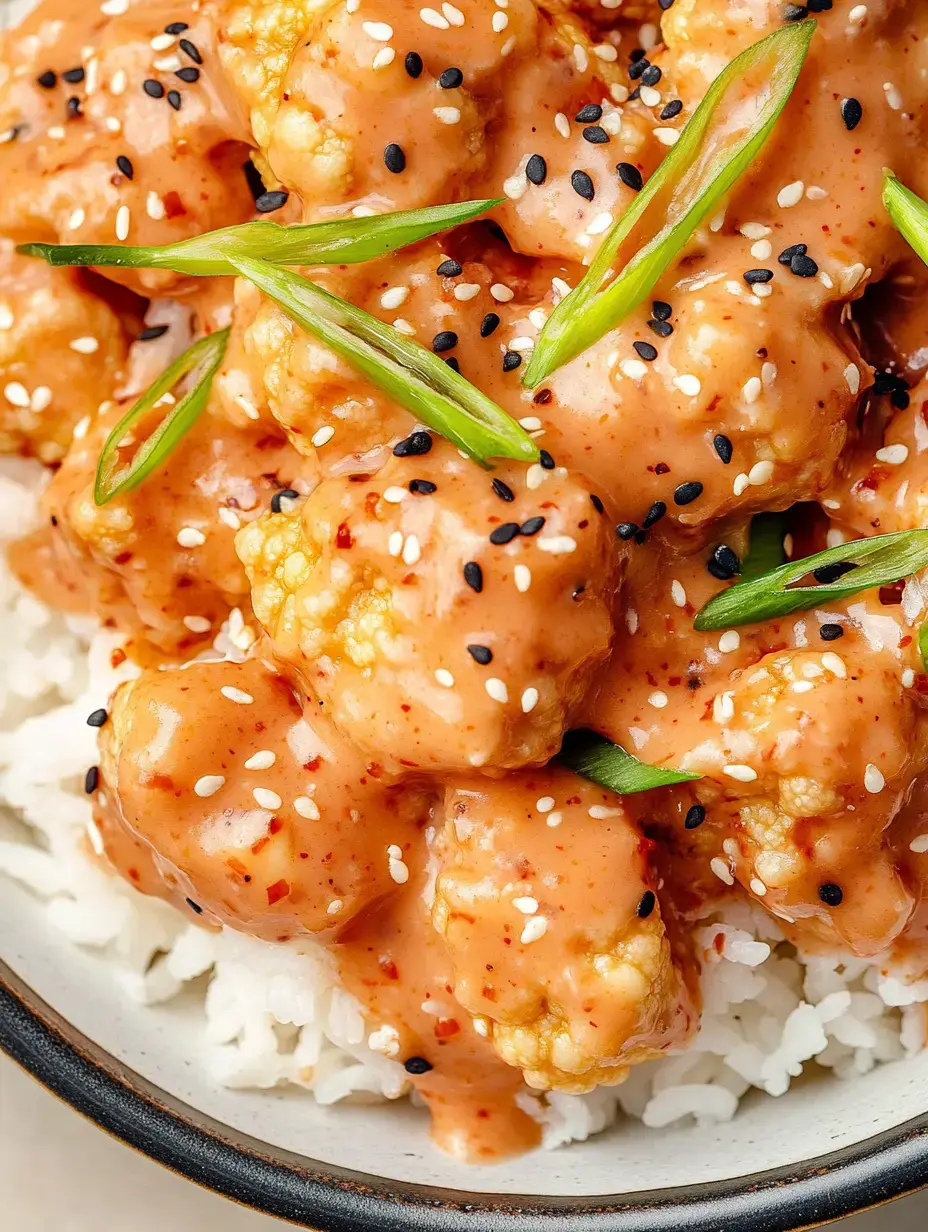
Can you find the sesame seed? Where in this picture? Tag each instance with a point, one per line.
(522, 576)
(501, 293)
(208, 785)
(154, 89)
(383, 58)
(630, 176)
(830, 632)
(721, 870)
(851, 113)
(190, 537)
(84, 346)
(394, 494)
(672, 110)
(262, 760)
(695, 816)
(831, 895)
(667, 136)
(688, 384)
(511, 361)
(323, 435)
(191, 50)
(634, 369)
(378, 30)
(790, 195)
(743, 774)
(595, 134)
(500, 22)
(97, 718)
(758, 887)
(529, 700)
(525, 904)
(197, 624)
(239, 696)
(266, 799)
(895, 455)
(305, 807)
(654, 514)
(658, 699)
(582, 185)
(544, 804)
(434, 19)
(394, 158)
(677, 593)
(723, 707)
(557, 545)
(496, 689)
(646, 351)
(760, 473)
(534, 930)
(687, 492)
(562, 124)
(919, 844)
(729, 641)
(398, 870)
(646, 905)
(187, 75)
(422, 487)
(873, 778)
(753, 277)
(444, 678)
(554, 820)
(473, 576)
(16, 394)
(122, 222)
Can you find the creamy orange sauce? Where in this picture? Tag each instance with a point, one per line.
(408, 636)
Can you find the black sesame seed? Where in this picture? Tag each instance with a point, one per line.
(687, 492)
(672, 110)
(663, 329)
(511, 361)
(154, 89)
(626, 530)
(664, 5)
(803, 267)
(271, 200)
(646, 351)
(630, 176)
(597, 503)
(92, 780)
(413, 64)
(636, 93)
(191, 50)
(503, 490)
(285, 494)
(253, 179)
(394, 158)
(830, 573)
(532, 526)
(473, 576)
(695, 816)
(453, 364)
(582, 185)
(74, 107)
(489, 323)
(654, 514)
(176, 27)
(422, 487)
(47, 80)
(851, 113)
(450, 268)
(73, 76)
(417, 1065)
(794, 12)
(505, 533)
(651, 75)
(794, 250)
(125, 166)
(536, 170)
(444, 340)
(723, 447)
(819, 6)
(753, 276)
(174, 99)
(480, 654)
(188, 75)
(589, 114)
(596, 135)
(637, 67)
(194, 907)
(97, 718)
(830, 633)
(831, 895)
(151, 332)
(646, 906)
(637, 53)
(413, 446)
(724, 563)
(546, 460)
(661, 310)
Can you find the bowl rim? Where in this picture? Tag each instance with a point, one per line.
(334, 1199)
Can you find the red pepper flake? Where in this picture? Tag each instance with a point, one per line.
(313, 764)
(890, 596)
(389, 968)
(445, 1028)
(343, 536)
(662, 469)
(277, 891)
(275, 826)
(117, 657)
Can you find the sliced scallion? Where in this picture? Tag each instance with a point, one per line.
(845, 570)
(415, 378)
(596, 758)
(715, 147)
(923, 644)
(765, 545)
(343, 241)
(198, 363)
(908, 212)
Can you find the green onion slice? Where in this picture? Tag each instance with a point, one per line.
(878, 561)
(596, 758)
(923, 644)
(199, 363)
(765, 545)
(908, 212)
(344, 241)
(716, 146)
(414, 377)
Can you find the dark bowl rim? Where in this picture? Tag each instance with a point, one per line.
(331, 1199)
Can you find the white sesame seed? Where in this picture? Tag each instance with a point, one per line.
(239, 696)
(609, 54)
(908, 678)
(790, 195)
(758, 887)
(384, 57)
(84, 346)
(535, 476)
(197, 624)
(500, 22)
(721, 870)
(323, 435)
(16, 394)
(554, 820)
(893, 95)
(634, 369)
(667, 136)
(453, 15)
(114, 8)
(522, 343)
(688, 384)
(744, 774)
(481, 1027)
(677, 593)
(444, 678)
(411, 550)
(835, 664)
(56, 132)
(919, 844)
(122, 222)
(649, 96)
(895, 455)
(496, 688)
(434, 19)
(501, 294)
(761, 250)
(531, 423)
(76, 220)
(465, 291)
(752, 389)
(658, 699)
(562, 124)
(760, 473)
(534, 930)
(378, 30)
(402, 326)
(447, 115)
(544, 804)
(508, 46)
(40, 399)
(858, 15)
(581, 59)
(395, 543)
(113, 125)
(729, 641)
(529, 700)
(802, 686)
(557, 545)
(266, 799)
(262, 760)
(873, 779)
(723, 707)
(526, 904)
(190, 537)
(161, 42)
(852, 376)
(816, 193)
(393, 495)
(599, 812)
(208, 785)
(522, 576)
(754, 230)
(398, 871)
(741, 484)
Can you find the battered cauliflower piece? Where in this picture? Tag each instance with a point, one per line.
(430, 643)
(159, 561)
(105, 141)
(62, 349)
(265, 820)
(561, 953)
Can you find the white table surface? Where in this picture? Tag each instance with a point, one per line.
(58, 1173)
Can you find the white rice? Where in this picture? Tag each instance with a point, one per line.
(273, 1015)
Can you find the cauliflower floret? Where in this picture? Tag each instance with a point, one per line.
(430, 643)
(563, 956)
(61, 352)
(102, 159)
(268, 820)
